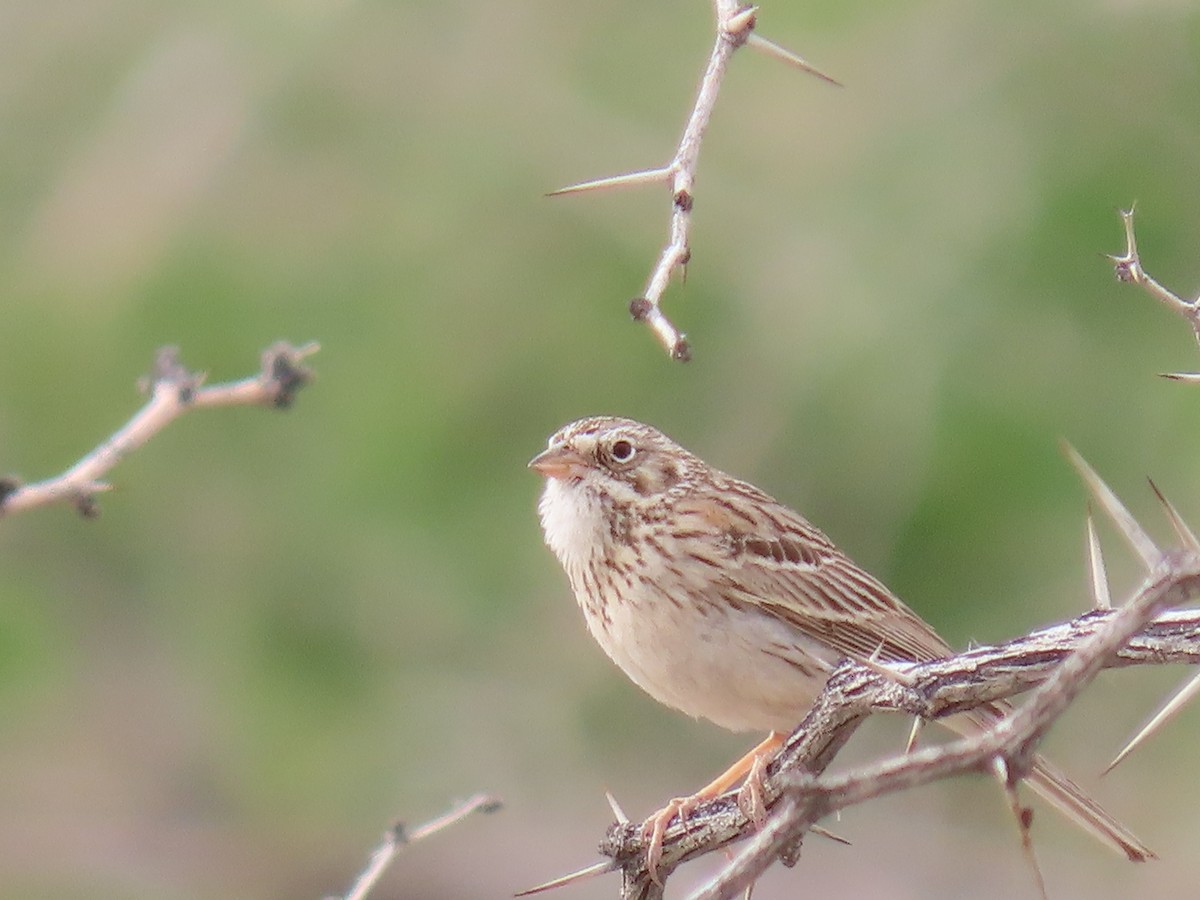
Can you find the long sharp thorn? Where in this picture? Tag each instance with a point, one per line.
(758, 42)
(1168, 711)
(1101, 598)
(629, 179)
(1187, 377)
(605, 865)
(1181, 527)
(1133, 533)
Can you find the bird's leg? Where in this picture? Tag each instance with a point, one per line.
(751, 767)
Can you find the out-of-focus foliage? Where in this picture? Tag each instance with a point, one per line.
(286, 630)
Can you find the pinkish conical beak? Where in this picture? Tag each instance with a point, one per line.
(558, 462)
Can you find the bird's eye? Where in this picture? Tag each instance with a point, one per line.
(622, 451)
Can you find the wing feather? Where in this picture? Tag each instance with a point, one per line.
(790, 570)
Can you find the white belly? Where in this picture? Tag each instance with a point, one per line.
(711, 667)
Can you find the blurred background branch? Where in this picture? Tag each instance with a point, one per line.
(398, 837)
(173, 391)
(735, 29)
(1128, 268)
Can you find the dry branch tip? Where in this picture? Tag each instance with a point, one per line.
(9, 484)
(1127, 266)
(284, 372)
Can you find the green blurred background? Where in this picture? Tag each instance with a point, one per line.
(287, 630)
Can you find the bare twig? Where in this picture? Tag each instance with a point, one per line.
(1128, 268)
(735, 24)
(398, 837)
(173, 391)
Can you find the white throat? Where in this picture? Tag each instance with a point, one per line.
(573, 521)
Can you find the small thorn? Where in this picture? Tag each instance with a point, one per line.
(914, 734)
(741, 21)
(876, 653)
(1133, 533)
(826, 833)
(1167, 712)
(1024, 819)
(886, 670)
(1188, 377)
(1101, 597)
(599, 868)
(648, 176)
(616, 808)
(770, 48)
(1181, 527)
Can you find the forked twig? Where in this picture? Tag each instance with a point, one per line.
(1128, 268)
(173, 390)
(735, 24)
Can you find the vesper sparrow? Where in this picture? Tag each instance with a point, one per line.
(723, 603)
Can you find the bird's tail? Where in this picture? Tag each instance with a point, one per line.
(1068, 798)
(1057, 789)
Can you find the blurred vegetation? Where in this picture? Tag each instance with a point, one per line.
(287, 629)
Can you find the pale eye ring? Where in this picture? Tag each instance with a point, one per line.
(622, 450)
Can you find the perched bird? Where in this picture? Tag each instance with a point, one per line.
(723, 603)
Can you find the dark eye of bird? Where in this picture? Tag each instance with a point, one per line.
(622, 451)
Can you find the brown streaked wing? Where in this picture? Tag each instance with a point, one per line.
(792, 571)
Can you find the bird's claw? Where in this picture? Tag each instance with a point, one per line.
(655, 828)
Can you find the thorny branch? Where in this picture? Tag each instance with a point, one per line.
(1128, 268)
(173, 390)
(1012, 741)
(735, 24)
(398, 837)
(799, 795)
